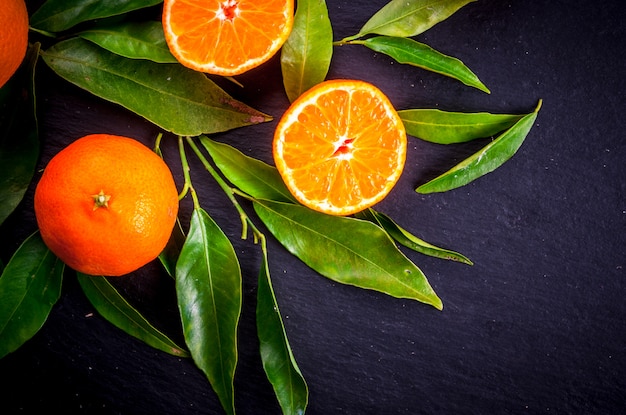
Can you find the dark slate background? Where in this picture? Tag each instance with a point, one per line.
(535, 326)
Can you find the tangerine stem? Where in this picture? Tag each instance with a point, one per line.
(101, 200)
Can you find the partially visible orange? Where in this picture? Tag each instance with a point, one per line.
(226, 37)
(106, 205)
(13, 37)
(340, 147)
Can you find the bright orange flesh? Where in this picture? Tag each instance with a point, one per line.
(106, 205)
(13, 37)
(340, 147)
(226, 37)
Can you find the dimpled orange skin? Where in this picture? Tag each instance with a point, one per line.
(106, 205)
(13, 37)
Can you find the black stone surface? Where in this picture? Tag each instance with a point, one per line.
(536, 326)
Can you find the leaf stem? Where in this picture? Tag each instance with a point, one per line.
(229, 191)
(157, 145)
(348, 40)
(187, 187)
(242, 194)
(42, 32)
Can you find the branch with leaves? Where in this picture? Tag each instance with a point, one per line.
(127, 62)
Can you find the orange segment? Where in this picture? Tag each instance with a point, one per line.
(226, 37)
(340, 147)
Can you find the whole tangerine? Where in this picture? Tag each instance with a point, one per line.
(106, 205)
(13, 37)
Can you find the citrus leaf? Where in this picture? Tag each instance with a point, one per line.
(346, 250)
(410, 52)
(170, 253)
(19, 138)
(250, 175)
(117, 311)
(405, 238)
(59, 15)
(134, 40)
(30, 286)
(443, 127)
(175, 98)
(489, 158)
(278, 361)
(208, 287)
(306, 55)
(406, 18)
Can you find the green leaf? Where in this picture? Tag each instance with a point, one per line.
(407, 18)
(306, 55)
(252, 176)
(30, 286)
(208, 287)
(117, 311)
(59, 15)
(443, 127)
(346, 250)
(170, 253)
(489, 158)
(278, 361)
(175, 98)
(134, 40)
(408, 51)
(19, 138)
(405, 238)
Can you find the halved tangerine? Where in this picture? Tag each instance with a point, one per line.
(340, 147)
(226, 37)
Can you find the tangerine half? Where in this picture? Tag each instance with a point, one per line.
(106, 205)
(340, 147)
(226, 37)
